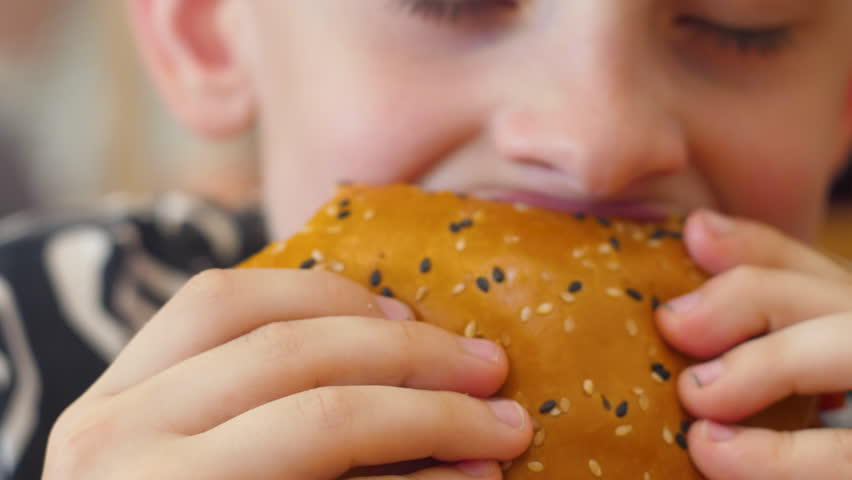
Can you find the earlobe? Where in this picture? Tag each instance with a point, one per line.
(195, 61)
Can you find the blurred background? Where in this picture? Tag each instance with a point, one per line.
(79, 120)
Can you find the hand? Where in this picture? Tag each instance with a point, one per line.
(767, 284)
(277, 374)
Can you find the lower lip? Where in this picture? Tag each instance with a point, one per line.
(638, 212)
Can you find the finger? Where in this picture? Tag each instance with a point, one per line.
(744, 302)
(322, 433)
(809, 358)
(483, 469)
(284, 358)
(220, 305)
(719, 243)
(734, 453)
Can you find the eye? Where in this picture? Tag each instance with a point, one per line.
(763, 40)
(452, 11)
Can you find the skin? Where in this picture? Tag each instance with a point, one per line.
(591, 104)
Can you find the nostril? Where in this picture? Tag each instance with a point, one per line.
(535, 163)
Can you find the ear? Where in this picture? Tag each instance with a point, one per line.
(192, 51)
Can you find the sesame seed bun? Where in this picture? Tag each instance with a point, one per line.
(570, 297)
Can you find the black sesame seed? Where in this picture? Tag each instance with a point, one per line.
(498, 275)
(547, 406)
(344, 214)
(455, 228)
(676, 235)
(376, 278)
(606, 403)
(308, 264)
(615, 243)
(634, 294)
(482, 283)
(621, 410)
(604, 221)
(466, 223)
(387, 292)
(575, 287)
(655, 303)
(660, 370)
(658, 234)
(426, 265)
(681, 441)
(580, 216)
(685, 426)
(345, 203)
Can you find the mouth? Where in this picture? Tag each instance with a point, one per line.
(639, 211)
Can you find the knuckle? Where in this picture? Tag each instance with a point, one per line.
(327, 408)
(744, 275)
(405, 343)
(277, 340)
(211, 286)
(75, 445)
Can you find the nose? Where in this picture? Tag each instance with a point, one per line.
(598, 123)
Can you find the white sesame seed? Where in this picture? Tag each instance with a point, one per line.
(334, 229)
(657, 378)
(307, 229)
(369, 214)
(538, 439)
(588, 386)
(639, 235)
(588, 264)
(604, 248)
(478, 215)
(521, 207)
(567, 297)
(506, 339)
(461, 244)
(614, 292)
(317, 255)
(470, 329)
(544, 308)
(332, 210)
(668, 437)
(632, 328)
(555, 412)
(638, 391)
(526, 314)
(569, 325)
(422, 292)
(546, 276)
(511, 275)
(623, 430)
(459, 288)
(564, 404)
(536, 424)
(277, 248)
(337, 267)
(644, 403)
(535, 466)
(595, 467)
(647, 476)
(511, 239)
(578, 253)
(654, 243)
(613, 266)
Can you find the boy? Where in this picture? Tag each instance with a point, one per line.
(639, 109)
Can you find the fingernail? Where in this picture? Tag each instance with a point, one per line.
(717, 224)
(478, 468)
(394, 309)
(509, 412)
(481, 348)
(706, 373)
(719, 433)
(684, 304)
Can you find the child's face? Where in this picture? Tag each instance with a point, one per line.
(633, 107)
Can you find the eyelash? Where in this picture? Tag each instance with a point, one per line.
(764, 41)
(452, 11)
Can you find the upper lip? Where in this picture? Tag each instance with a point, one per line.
(641, 210)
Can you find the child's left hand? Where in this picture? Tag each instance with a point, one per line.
(769, 284)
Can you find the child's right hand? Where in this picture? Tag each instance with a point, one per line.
(277, 374)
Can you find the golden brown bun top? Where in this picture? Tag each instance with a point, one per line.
(570, 297)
